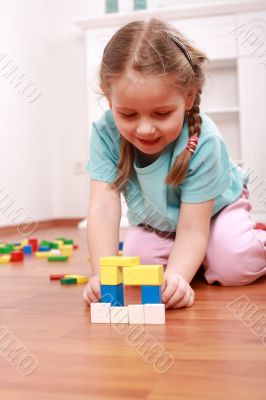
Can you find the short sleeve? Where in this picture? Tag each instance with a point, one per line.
(104, 154)
(208, 175)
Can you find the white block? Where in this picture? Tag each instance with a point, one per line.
(119, 315)
(100, 313)
(154, 313)
(136, 313)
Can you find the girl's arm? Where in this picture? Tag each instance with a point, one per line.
(187, 253)
(103, 232)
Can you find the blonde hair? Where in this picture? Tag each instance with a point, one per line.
(154, 48)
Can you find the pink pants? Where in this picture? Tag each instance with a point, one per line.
(236, 252)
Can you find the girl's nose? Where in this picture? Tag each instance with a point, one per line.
(146, 129)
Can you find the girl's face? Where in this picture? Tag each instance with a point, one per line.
(149, 111)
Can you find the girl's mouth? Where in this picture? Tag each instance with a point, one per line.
(149, 142)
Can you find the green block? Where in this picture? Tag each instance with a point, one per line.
(68, 281)
(7, 249)
(45, 243)
(58, 258)
(68, 241)
(54, 245)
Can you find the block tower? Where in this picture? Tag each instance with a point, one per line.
(117, 271)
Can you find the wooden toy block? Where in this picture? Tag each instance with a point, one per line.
(58, 258)
(5, 259)
(120, 246)
(34, 243)
(113, 294)
(100, 313)
(44, 248)
(54, 245)
(60, 243)
(120, 253)
(119, 315)
(69, 241)
(57, 277)
(75, 246)
(111, 275)
(18, 247)
(68, 281)
(67, 250)
(27, 249)
(135, 314)
(7, 249)
(42, 254)
(17, 256)
(118, 261)
(24, 242)
(151, 294)
(54, 252)
(154, 313)
(143, 275)
(79, 278)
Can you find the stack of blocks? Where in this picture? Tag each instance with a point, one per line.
(117, 271)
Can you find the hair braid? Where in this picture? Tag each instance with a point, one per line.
(125, 164)
(178, 171)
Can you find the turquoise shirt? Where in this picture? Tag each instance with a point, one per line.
(211, 174)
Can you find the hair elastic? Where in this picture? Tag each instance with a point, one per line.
(183, 49)
(192, 144)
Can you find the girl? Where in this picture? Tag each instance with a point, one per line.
(188, 202)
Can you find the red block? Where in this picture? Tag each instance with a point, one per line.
(17, 256)
(34, 244)
(57, 277)
(75, 247)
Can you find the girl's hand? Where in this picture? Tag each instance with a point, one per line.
(176, 291)
(91, 293)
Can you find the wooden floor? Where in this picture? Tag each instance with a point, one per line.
(205, 352)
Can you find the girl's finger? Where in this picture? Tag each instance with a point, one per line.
(169, 291)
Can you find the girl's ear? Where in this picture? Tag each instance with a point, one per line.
(190, 98)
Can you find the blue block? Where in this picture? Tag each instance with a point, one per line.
(27, 249)
(44, 248)
(120, 247)
(151, 294)
(113, 294)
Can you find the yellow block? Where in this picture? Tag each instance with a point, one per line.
(143, 275)
(60, 243)
(24, 242)
(79, 278)
(5, 259)
(43, 254)
(118, 261)
(67, 250)
(18, 247)
(111, 275)
(120, 253)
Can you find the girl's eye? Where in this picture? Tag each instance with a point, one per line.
(128, 115)
(163, 114)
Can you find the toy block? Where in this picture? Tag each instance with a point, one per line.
(120, 246)
(119, 315)
(154, 313)
(57, 258)
(68, 241)
(100, 313)
(54, 245)
(17, 256)
(75, 246)
(118, 261)
(67, 250)
(18, 247)
(143, 275)
(151, 294)
(57, 277)
(54, 252)
(135, 314)
(113, 294)
(60, 243)
(68, 281)
(79, 278)
(7, 249)
(24, 242)
(44, 248)
(111, 275)
(120, 253)
(27, 249)
(34, 243)
(42, 254)
(5, 259)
